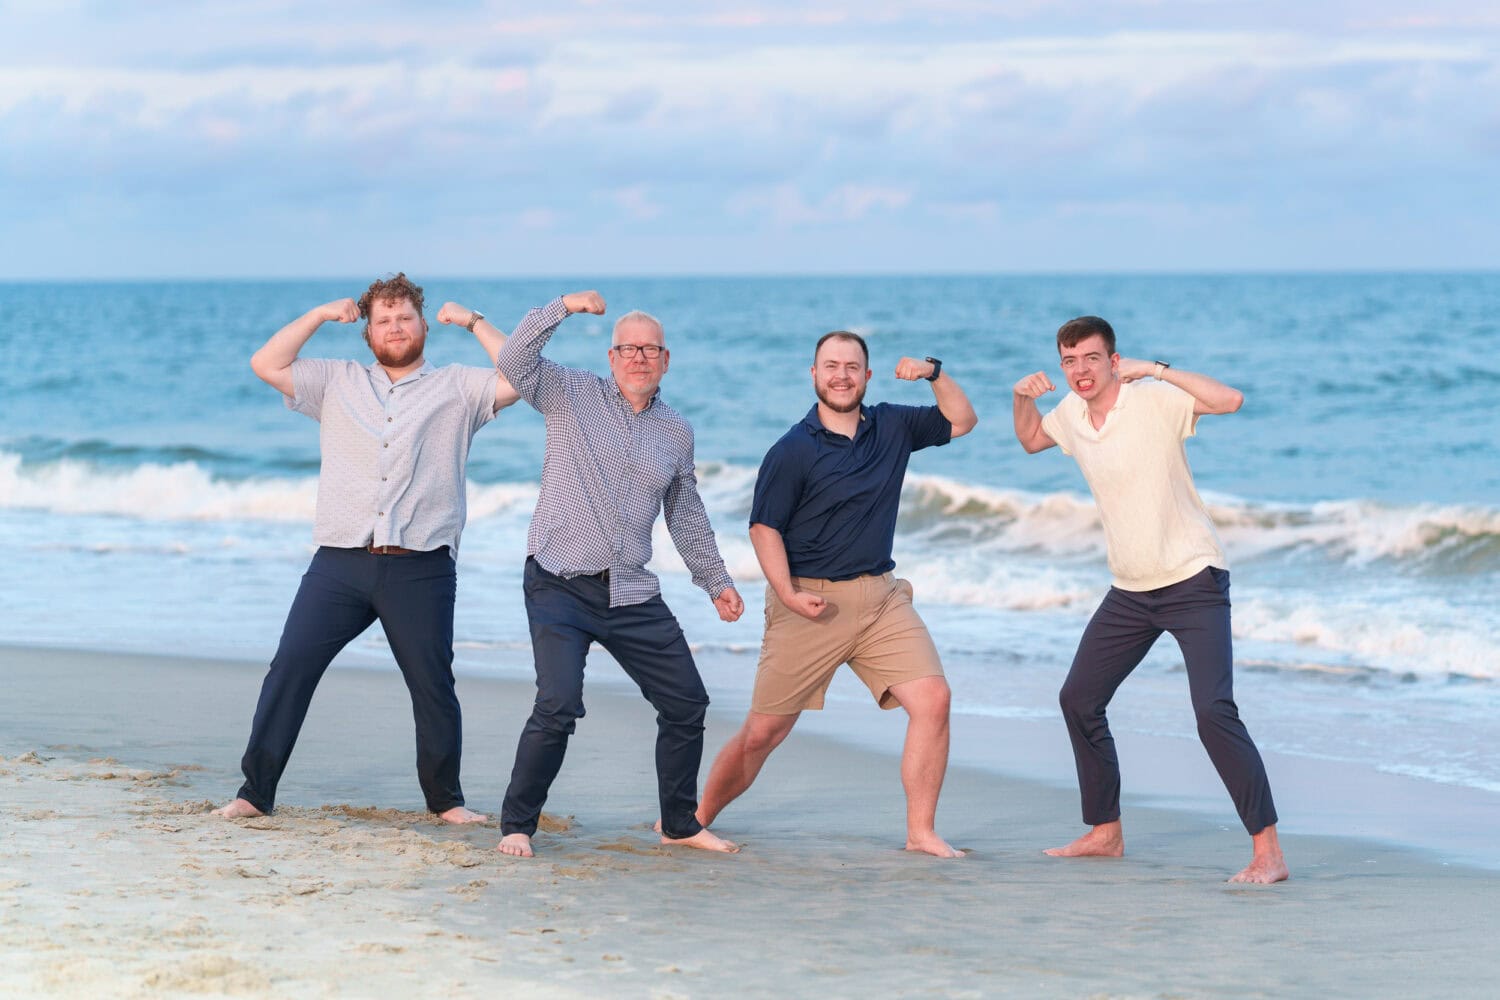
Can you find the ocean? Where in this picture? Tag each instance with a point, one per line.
(155, 496)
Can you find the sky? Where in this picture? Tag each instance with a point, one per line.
(288, 139)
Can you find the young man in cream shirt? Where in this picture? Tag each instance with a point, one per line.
(1170, 572)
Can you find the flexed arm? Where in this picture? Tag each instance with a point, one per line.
(951, 399)
(1028, 419)
(1209, 394)
(520, 358)
(273, 362)
(490, 338)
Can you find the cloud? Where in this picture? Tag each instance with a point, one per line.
(711, 129)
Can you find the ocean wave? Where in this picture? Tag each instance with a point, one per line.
(1432, 538)
(958, 526)
(187, 491)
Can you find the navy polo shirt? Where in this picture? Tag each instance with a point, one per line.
(833, 499)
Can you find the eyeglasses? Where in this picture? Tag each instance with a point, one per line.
(627, 351)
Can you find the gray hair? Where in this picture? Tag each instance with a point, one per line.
(636, 316)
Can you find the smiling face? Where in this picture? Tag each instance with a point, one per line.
(1090, 368)
(840, 374)
(638, 376)
(397, 332)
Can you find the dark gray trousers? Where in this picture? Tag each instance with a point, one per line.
(1127, 624)
(566, 616)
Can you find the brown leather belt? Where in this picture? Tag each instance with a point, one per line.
(391, 550)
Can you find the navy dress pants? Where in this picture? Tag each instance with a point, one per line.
(566, 615)
(1196, 613)
(342, 593)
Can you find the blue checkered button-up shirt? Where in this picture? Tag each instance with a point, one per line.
(607, 472)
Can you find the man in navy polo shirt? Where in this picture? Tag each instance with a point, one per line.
(823, 524)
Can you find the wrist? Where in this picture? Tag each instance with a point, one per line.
(474, 317)
(1160, 370)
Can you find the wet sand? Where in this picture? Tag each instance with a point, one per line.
(115, 879)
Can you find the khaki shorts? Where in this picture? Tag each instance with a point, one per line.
(869, 624)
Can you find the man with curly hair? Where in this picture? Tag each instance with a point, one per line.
(395, 439)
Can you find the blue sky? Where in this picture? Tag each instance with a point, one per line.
(465, 138)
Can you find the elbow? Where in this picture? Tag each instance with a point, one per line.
(965, 425)
(1233, 401)
(261, 367)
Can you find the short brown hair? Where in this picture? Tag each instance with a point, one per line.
(842, 335)
(1082, 328)
(390, 290)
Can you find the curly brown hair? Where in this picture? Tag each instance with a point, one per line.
(390, 290)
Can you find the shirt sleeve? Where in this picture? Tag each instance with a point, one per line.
(310, 378)
(540, 382)
(1056, 427)
(478, 388)
(1176, 408)
(688, 524)
(926, 424)
(778, 487)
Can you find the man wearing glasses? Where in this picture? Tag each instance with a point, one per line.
(616, 455)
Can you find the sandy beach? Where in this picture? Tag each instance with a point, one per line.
(116, 880)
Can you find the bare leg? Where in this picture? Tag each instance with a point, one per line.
(741, 759)
(1107, 840)
(924, 761)
(517, 845)
(1267, 865)
(458, 814)
(238, 809)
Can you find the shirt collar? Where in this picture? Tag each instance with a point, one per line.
(615, 388)
(378, 372)
(814, 423)
(1126, 388)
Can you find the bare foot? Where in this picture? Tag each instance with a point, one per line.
(517, 845)
(704, 841)
(931, 843)
(1267, 865)
(1264, 872)
(1107, 840)
(238, 809)
(458, 814)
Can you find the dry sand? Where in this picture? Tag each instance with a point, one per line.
(115, 879)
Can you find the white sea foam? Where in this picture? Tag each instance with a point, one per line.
(961, 525)
(181, 491)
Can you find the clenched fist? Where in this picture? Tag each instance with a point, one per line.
(584, 302)
(1034, 385)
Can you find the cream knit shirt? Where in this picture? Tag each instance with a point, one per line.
(1156, 528)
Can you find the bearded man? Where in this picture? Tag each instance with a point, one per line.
(823, 523)
(395, 438)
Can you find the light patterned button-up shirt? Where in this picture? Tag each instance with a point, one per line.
(607, 472)
(394, 453)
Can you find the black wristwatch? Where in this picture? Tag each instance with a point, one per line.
(937, 368)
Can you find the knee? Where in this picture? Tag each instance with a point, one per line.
(683, 713)
(1072, 702)
(557, 710)
(764, 734)
(1216, 715)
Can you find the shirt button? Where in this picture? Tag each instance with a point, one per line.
(381, 514)
(382, 479)
(389, 419)
(386, 445)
